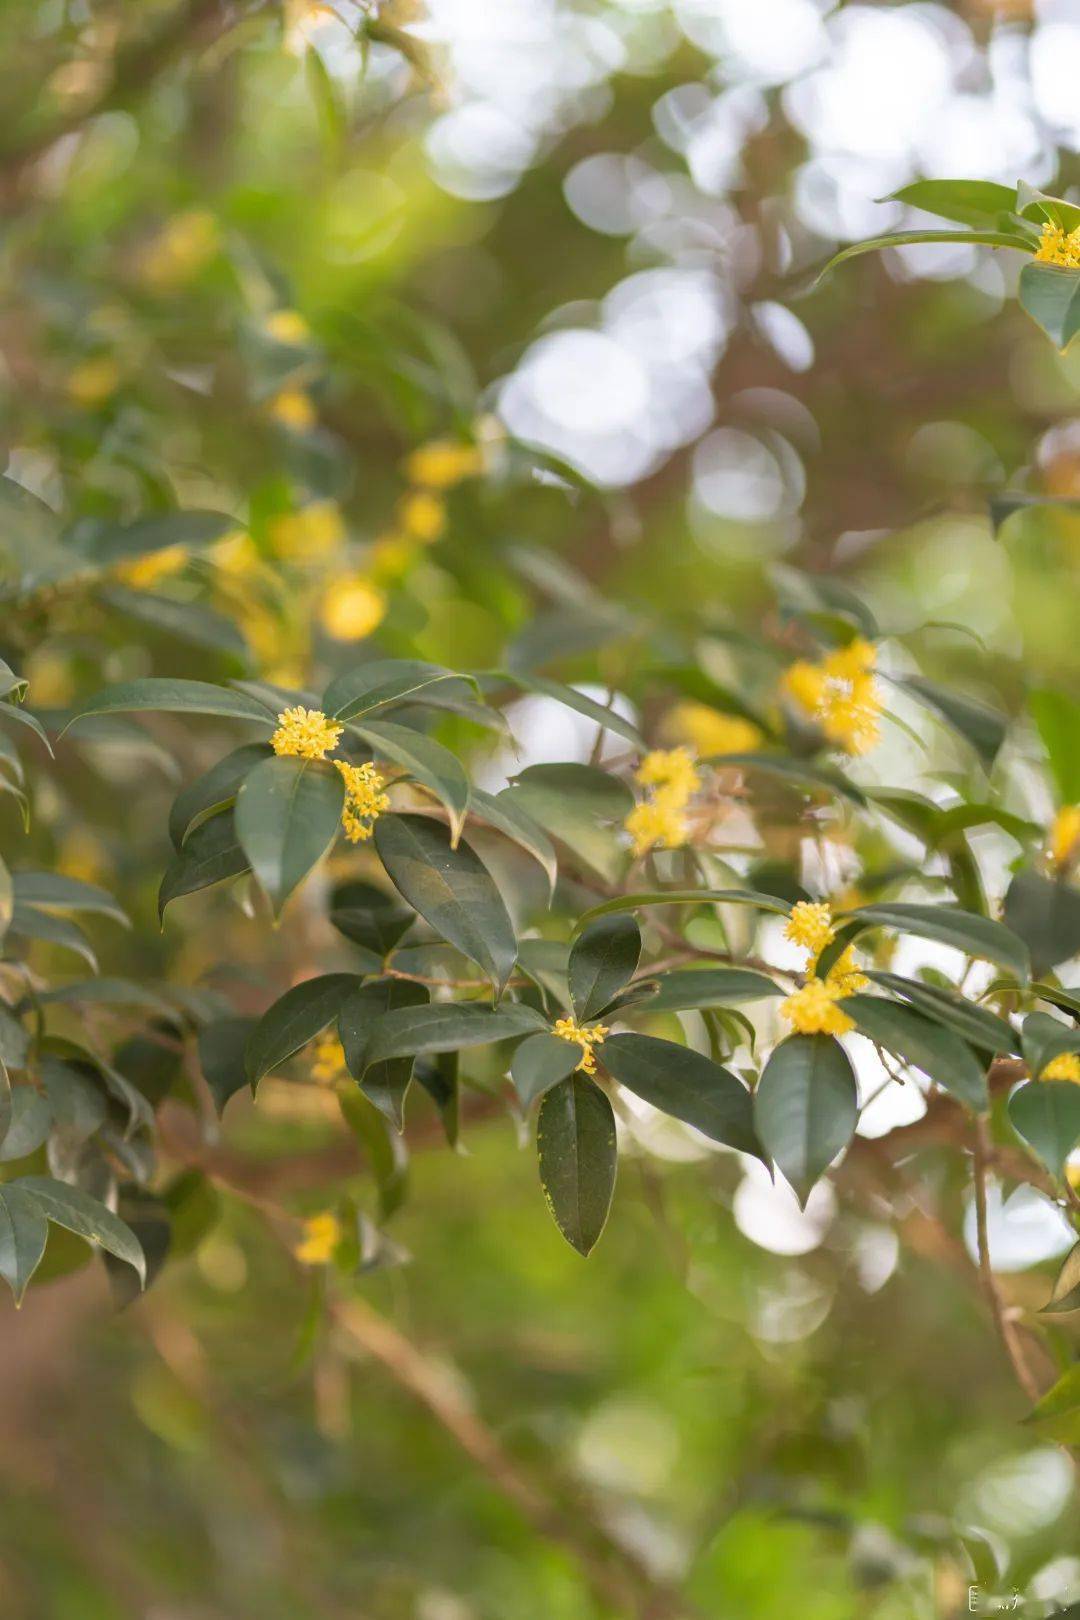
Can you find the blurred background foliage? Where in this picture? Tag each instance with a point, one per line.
(255, 256)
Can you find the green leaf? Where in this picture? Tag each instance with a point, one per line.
(1050, 294)
(540, 1062)
(439, 1076)
(972, 1023)
(1046, 1113)
(949, 925)
(921, 1041)
(31, 1122)
(575, 1139)
(23, 717)
(603, 957)
(543, 686)
(369, 917)
(873, 244)
(1007, 503)
(210, 854)
(686, 1085)
(113, 992)
(984, 728)
(47, 890)
(582, 807)
(1045, 913)
(1065, 1294)
(160, 696)
(7, 899)
(296, 1018)
(684, 897)
(288, 813)
(384, 1150)
(14, 1040)
(502, 812)
(1045, 1038)
(214, 790)
(976, 203)
(386, 1081)
(12, 685)
(26, 923)
(821, 777)
(23, 1233)
(452, 890)
(222, 1057)
(445, 1026)
(192, 622)
(87, 1217)
(380, 684)
(426, 761)
(106, 544)
(806, 1107)
(710, 987)
(1057, 1416)
(1057, 717)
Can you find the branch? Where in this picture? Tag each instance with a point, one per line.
(1006, 1327)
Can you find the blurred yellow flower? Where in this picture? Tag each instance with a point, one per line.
(587, 1036)
(391, 555)
(143, 573)
(181, 248)
(321, 1236)
(328, 1060)
(82, 856)
(1066, 1066)
(287, 326)
(1065, 833)
(313, 532)
(93, 381)
(840, 694)
(293, 409)
(352, 608)
(305, 734)
(444, 463)
(365, 800)
(236, 553)
(49, 673)
(671, 768)
(422, 515)
(845, 975)
(708, 731)
(657, 823)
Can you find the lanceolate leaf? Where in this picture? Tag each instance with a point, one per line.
(976, 203)
(296, 1018)
(87, 1217)
(988, 238)
(452, 890)
(426, 761)
(1045, 913)
(603, 957)
(918, 1040)
(684, 897)
(543, 686)
(52, 890)
(381, 683)
(580, 806)
(1051, 296)
(1046, 1113)
(965, 930)
(288, 812)
(446, 1027)
(1065, 1294)
(212, 853)
(28, 923)
(214, 790)
(175, 697)
(1057, 717)
(575, 1140)
(540, 1062)
(686, 1085)
(1045, 1038)
(384, 1080)
(222, 1052)
(108, 544)
(502, 812)
(984, 728)
(710, 987)
(23, 1233)
(806, 1107)
(974, 1024)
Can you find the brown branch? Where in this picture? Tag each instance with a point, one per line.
(1003, 1322)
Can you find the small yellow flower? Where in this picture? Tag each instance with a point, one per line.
(656, 823)
(328, 1060)
(235, 554)
(352, 608)
(305, 734)
(845, 975)
(708, 731)
(805, 684)
(93, 381)
(310, 534)
(391, 555)
(671, 768)
(840, 694)
(293, 409)
(365, 799)
(810, 925)
(422, 515)
(587, 1036)
(1065, 833)
(287, 326)
(1057, 246)
(181, 248)
(444, 463)
(143, 573)
(812, 1010)
(322, 1234)
(1066, 1066)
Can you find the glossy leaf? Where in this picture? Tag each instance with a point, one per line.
(1045, 913)
(974, 1024)
(28, 923)
(380, 684)
(579, 806)
(160, 696)
(506, 815)
(929, 1046)
(87, 1217)
(975, 203)
(685, 897)
(214, 790)
(543, 686)
(575, 1139)
(1046, 1113)
(23, 1234)
(806, 1107)
(447, 1026)
(426, 761)
(949, 925)
(686, 1085)
(983, 727)
(603, 957)
(210, 854)
(874, 244)
(1051, 296)
(288, 814)
(540, 1062)
(384, 1081)
(296, 1018)
(710, 987)
(222, 1048)
(1045, 1038)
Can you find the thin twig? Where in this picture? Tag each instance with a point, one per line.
(1006, 1328)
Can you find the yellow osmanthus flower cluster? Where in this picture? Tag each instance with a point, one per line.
(840, 694)
(93, 381)
(143, 573)
(365, 799)
(328, 1060)
(1065, 834)
(1066, 1066)
(287, 326)
(352, 607)
(309, 734)
(310, 533)
(294, 409)
(321, 1236)
(812, 1009)
(708, 731)
(1057, 246)
(180, 250)
(587, 1036)
(659, 821)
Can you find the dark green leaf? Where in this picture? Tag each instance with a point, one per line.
(540, 1062)
(160, 696)
(965, 930)
(502, 812)
(710, 987)
(1045, 913)
(684, 897)
(921, 1041)
(384, 1150)
(26, 923)
(984, 728)
(802, 772)
(210, 854)
(686, 1085)
(87, 1217)
(48, 890)
(107, 544)
(1044, 1039)
(214, 790)
(23, 1232)
(580, 806)
(542, 686)
(447, 1026)
(1046, 1113)
(296, 1018)
(603, 957)
(426, 761)
(192, 622)
(381, 683)
(575, 1139)
(222, 1056)
(288, 813)
(806, 1107)
(31, 1122)
(386, 1081)
(972, 1023)
(452, 890)
(1051, 296)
